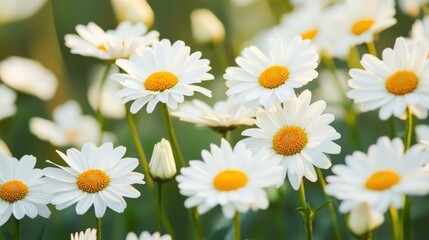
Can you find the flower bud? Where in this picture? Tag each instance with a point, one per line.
(363, 219)
(133, 11)
(162, 165)
(206, 27)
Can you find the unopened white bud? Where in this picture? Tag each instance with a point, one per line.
(206, 27)
(363, 219)
(133, 11)
(162, 165)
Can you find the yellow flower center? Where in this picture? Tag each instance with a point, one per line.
(102, 47)
(160, 81)
(73, 134)
(290, 140)
(362, 26)
(402, 82)
(382, 180)
(310, 34)
(229, 180)
(273, 77)
(92, 181)
(13, 191)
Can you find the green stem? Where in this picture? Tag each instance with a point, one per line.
(406, 212)
(237, 226)
(176, 149)
(18, 231)
(159, 226)
(396, 228)
(353, 59)
(98, 228)
(99, 110)
(332, 212)
(140, 150)
(371, 48)
(306, 213)
(196, 220)
(226, 135)
(392, 131)
(425, 9)
(408, 129)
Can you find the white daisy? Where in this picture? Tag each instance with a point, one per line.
(98, 176)
(412, 7)
(232, 178)
(133, 10)
(163, 73)
(21, 189)
(398, 81)
(420, 30)
(296, 135)
(19, 9)
(28, 76)
(7, 102)
(89, 234)
(206, 27)
(69, 128)
(381, 177)
(422, 133)
(147, 236)
(4, 148)
(363, 219)
(225, 115)
(93, 41)
(268, 80)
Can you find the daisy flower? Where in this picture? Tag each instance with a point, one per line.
(133, 10)
(381, 177)
(19, 9)
(223, 116)
(422, 133)
(232, 178)
(28, 76)
(98, 176)
(4, 148)
(89, 234)
(297, 135)
(21, 189)
(412, 7)
(206, 27)
(147, 236)
(163, 73)
(420, 30)
(93, 41)
(7, 102)
(268, 80)
(69, 128)
(363, 219)
(397, 82)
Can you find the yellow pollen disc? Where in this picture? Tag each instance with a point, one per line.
(290, 140)
(92, 181)
(273, 77)
(402, 82)
(160, 81)
(382, 180)
(102, 47)
(310, 34)
(362, 26)
(13, 191)
(73, 134)
(230, 180)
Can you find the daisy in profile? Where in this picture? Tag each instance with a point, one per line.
(268, 79)
(412, 7)
(147, 236)
(164, 73)
(28, 76)
(223, 116)
(297, 135)
(95, 176)
(11, 11)
(89, 234)
(381, 177)
(93, 41)
(232, 178)
(422, 133)
(7, 102)
(397, 82)
(21, 189)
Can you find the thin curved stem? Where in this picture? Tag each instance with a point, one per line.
(196, 220)
(237, 230)
(99, 110)
(159, 220)
(371, 48)
(18, 231)
(408, 130)
(396, 228)
(176, 149)
(98, 228)
(306, 213)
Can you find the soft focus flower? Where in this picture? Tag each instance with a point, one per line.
(163, 73)
(206, 27)
(381, 177)
(232, 178)
(420, 30)
(69, 128)
(147, 236)
(110, 105)
(297, 135)
(93, 41)
(28, 76)
(133, 11)
(4, 148)
(270, 79)
(7, 102)
(89, 234)
(397, 82)
(224, 116)
(162, 165)
(422, 133)
(98, 176)
(18, 9)
(412, 7)
(21, 189)
(363, 219)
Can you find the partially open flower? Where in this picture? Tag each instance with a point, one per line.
(133, 11)
(162, 166)
(364, 219)
(206, 27)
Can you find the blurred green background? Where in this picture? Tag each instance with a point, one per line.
(41, 37)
